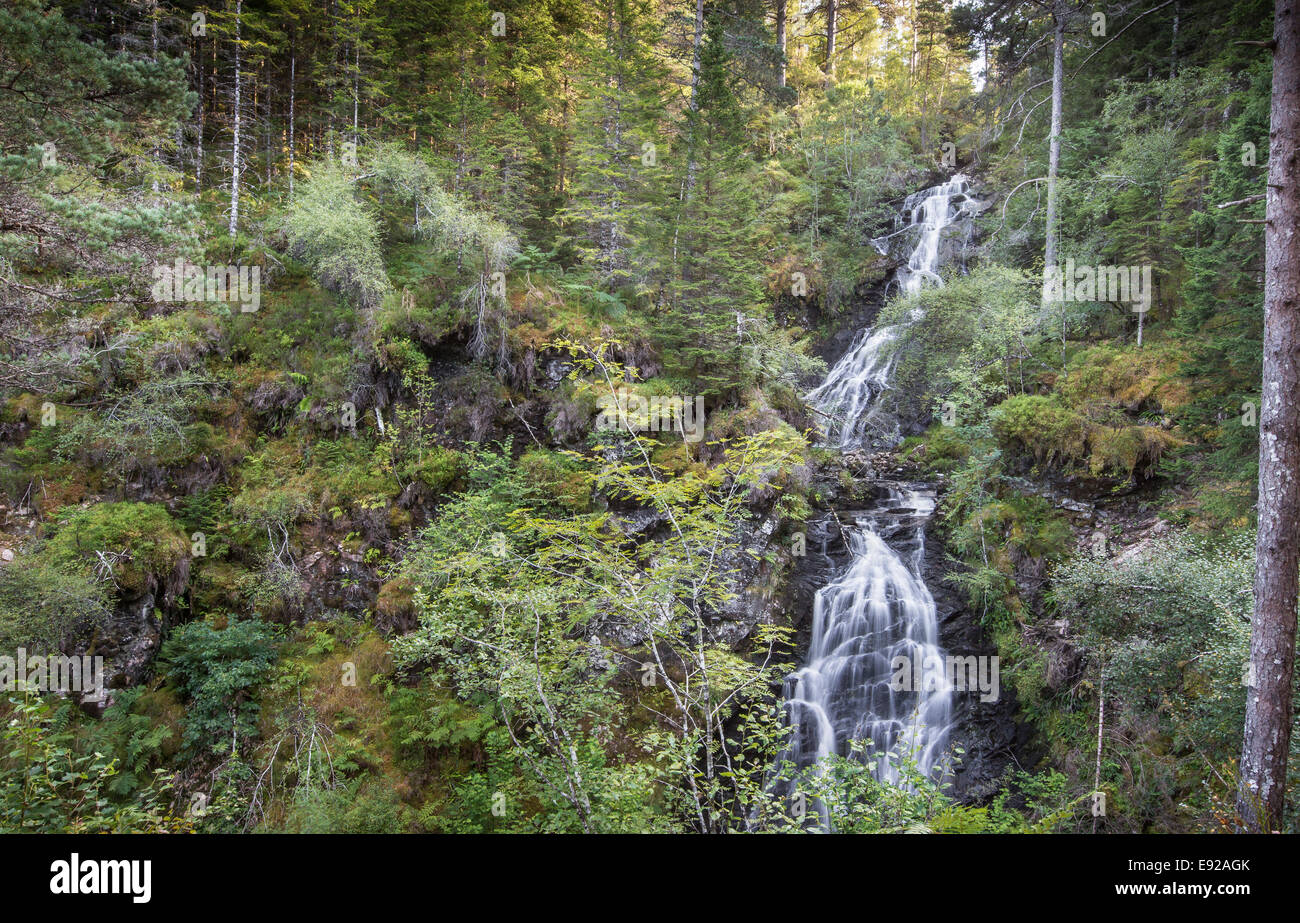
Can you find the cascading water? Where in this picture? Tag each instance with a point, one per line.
(850, 395)
(878, 609)
(875, 611)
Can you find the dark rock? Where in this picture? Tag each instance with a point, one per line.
(991, 733)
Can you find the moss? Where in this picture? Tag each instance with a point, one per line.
(1125, 450)
(395, 603)
(676, 459)
(149, 540)
(1051, 432)
(1134, 379)
(22, 408)
(558, 478)
(941, 448)
(438, 468)
(1041, 426)
(216, 587)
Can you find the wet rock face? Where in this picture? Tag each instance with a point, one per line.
(760, 588)
(129, 641)
(991, 733)
(826, 554)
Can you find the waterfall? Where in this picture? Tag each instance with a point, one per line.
(850, 395)
(878, 608)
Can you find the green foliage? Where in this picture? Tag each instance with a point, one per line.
(1042, 427)
(1167, 629)
(355, 808)
(135, 545)
(48, 786)
(1053, 433)
(841, 158)
(509, 596)
(151, 424)
(845, 794)
(139, 734)
(965, 344)
(635, 190)
(558, 476)
(336, 235)
(1172, 623)
(217, 671)
(44, 606)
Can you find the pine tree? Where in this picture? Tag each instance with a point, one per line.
(616, 149)
(711, 255)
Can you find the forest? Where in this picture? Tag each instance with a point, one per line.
(649, 416)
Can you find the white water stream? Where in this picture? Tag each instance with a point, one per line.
(850, 395)
(878, 609)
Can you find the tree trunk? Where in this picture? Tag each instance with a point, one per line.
(911, 60)
(1173, 47)
(270, 85)
(832, 11)
(1267, 736)
(1054, 140)
(780, 41)
(198, 152)
(153, 45)
(1054, 152)
(293, 67)
(235, 163)
(691, 165)
(696, 43)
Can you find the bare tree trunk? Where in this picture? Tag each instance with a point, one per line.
(269, 116)
(198, 153)
(1173, 47)
(235, 163)
(780, 41)
(696, 43)
(1054, 151)
(832, 12)
(1267, 736)
(1054, 142)
(153, 44)
(293, 67)
(911, 61)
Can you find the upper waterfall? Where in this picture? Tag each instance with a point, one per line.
(850, 395)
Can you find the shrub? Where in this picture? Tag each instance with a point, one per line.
(558, 478)
(44, 606)
(438, 468)
(337, 237)
(217, 670)
(1041, 426)
(135, 544)
(57, 789)
(1052, 432)
(1126, 449)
